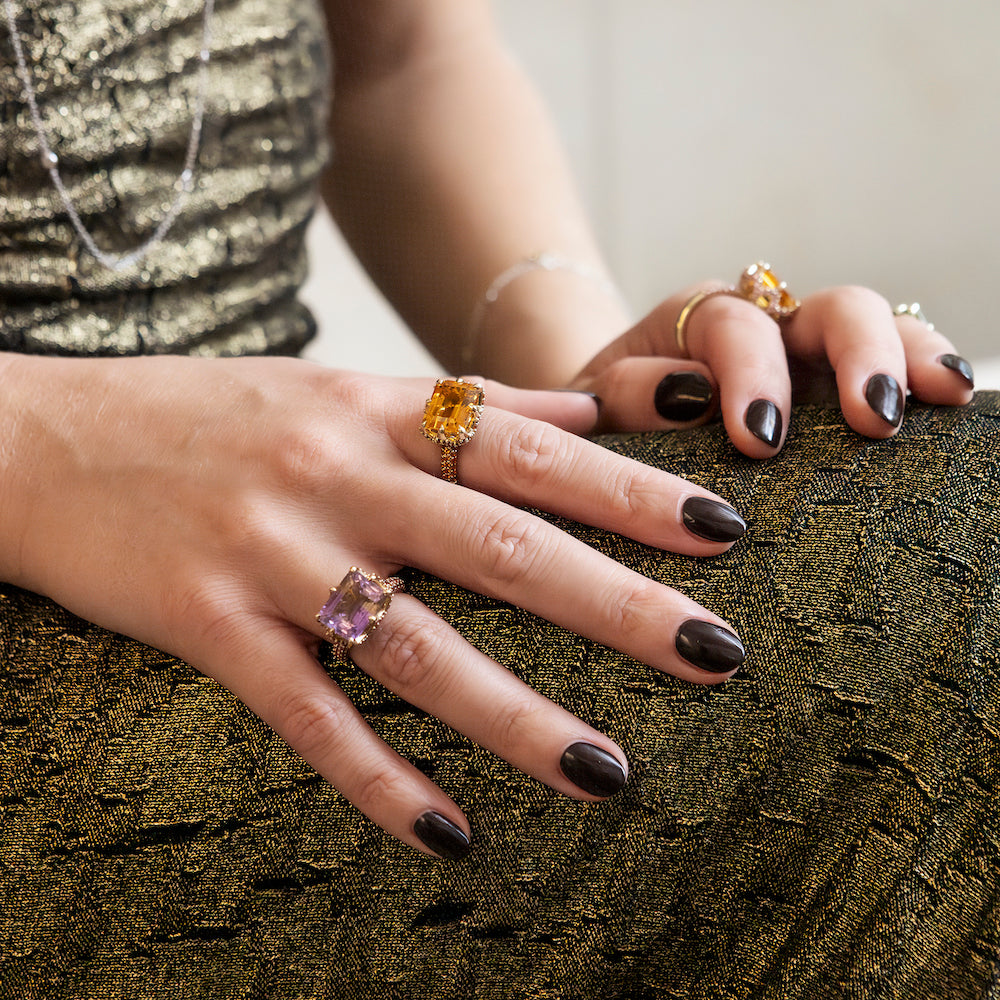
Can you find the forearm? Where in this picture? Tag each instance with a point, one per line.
(446, 172)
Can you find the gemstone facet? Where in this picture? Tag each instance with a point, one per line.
(452, 413)
(761, 286)
(355, 606)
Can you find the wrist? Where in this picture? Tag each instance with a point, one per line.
(15, 400)
(539, 330)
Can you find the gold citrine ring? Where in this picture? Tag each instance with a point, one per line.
(451, 416)
(761, 286)
(758, 285)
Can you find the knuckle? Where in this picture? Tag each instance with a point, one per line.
(731, 310)
(850, 301)
(632, 496)
(638, 607)
(311, 724)
(515, 725)
(509, 546)
(411, 654)
(249, 525)
(532, 451)
(375, 788)
(303, 461)
(206, 614)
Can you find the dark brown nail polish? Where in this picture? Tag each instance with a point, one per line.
(763, 420)
(709, 646)
(885, 398)
(592, 769)
(717, 522)
(442, 836)
(960, 365)
(683, 396)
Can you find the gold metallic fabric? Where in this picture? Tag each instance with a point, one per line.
(825, 825)
(116, 83)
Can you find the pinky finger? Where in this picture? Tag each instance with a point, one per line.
(283, 684)
(935, 373)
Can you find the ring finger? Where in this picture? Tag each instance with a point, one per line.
(418, 656)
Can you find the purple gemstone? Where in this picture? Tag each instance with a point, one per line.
(354, 607)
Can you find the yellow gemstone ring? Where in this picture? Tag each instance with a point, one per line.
(450, 420)
(761, 286)
(758, 285)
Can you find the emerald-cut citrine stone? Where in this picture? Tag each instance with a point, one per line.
(452, 412)
(766, 290)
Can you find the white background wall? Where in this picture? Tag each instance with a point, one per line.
(847, 142)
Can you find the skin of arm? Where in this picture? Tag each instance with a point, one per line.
(446, 172)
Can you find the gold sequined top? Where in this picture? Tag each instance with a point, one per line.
(116, 82)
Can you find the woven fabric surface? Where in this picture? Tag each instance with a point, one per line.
(824, 825)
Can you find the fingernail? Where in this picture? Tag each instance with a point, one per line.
(960, 365)
(683, 396)
(592, 769)
(442, 836)
(885, 398)
(709, 646)
(580, 392)
(763, 421)
(717, 522)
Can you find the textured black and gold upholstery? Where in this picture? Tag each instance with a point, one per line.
(824, 825)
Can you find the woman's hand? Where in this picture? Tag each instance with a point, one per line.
(205, 507)
(842, 342)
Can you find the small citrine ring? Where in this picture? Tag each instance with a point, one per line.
(758, 285)
(451, 417)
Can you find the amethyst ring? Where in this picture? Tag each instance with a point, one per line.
(355, 608)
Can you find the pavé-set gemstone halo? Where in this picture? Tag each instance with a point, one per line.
(356, 606)
(761, 286)
(452, 413)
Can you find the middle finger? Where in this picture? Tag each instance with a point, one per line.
(485, 545)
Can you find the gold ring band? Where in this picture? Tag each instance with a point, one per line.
(680, 327)
(758, 285)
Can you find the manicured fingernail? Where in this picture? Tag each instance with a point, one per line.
(592, 769)
(717, 522)
(683, 396)
(885, 398)
(763, 420)
(960, 365)
(442, 836)
(709, 646)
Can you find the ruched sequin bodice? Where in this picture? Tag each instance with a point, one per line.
(117, 90)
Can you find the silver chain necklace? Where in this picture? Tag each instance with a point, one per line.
(184, 183)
